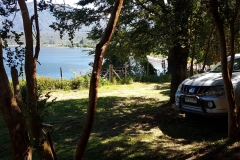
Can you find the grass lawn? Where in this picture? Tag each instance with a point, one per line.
(132, 122)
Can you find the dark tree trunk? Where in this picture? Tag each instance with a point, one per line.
(207, 50)
(97, 66)
(233, 129)
(179, 68)
(16, 88)
(170, 62)
(13, 117)
(192, 58)
(182, 12)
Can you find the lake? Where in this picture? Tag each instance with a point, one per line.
(72, 61)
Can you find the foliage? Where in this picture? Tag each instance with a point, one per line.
(127, 80)
(167, 28)
(79, 82)
(153, 78)
(83, 82)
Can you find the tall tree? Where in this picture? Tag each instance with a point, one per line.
(97, 66)
(13, 116)
(147, 27)
(9, 107)
(43, 148)
(180, 48)
(220, 20)
(14, 102)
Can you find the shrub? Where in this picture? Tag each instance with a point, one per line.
(76, 82)
(46, 83)
(87, 80)
(127, 80)
(63, 84)
(153, 78)
(104, 82)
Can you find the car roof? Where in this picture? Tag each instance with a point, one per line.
(236, 56)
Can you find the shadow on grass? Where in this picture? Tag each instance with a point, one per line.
(134, 128)
(197, 128)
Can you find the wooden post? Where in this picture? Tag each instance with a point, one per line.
(61, 73)
(111, 73)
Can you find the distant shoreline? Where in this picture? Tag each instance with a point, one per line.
(54, 46)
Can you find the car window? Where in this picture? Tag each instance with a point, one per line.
(236, 66)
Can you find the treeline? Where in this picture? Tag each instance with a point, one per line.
(53, 39)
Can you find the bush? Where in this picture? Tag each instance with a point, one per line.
(81, 82)
(77, 82)
(63, 84)
(127, 80)
(153, 78)
(46, 83)
(104, 82)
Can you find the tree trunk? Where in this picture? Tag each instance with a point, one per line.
(232, 126)
(42, 146)
(192, 58)
(182, 10)
(207, 51)
(13, 117)
(16, 88)
(93, 91)
(170, 61)
(179, 68)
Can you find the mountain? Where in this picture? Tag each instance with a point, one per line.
(45, 19)
(48, 36)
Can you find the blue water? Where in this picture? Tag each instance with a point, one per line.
(72, 61)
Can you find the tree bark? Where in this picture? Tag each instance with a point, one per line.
(93, 91)
(192, 58)
(207, 50)
(13, 117)
(182, 10)
(232, 38)
(232, 126)
(16, 88)
(42, 146)
(179, 68)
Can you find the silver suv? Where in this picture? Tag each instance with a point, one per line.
(204, 93)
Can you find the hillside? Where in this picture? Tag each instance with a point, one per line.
(48, 36)
(45, 19)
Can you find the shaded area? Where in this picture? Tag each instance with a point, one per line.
(5, 144)
(135, 128)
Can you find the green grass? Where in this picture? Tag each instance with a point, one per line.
(132, 122)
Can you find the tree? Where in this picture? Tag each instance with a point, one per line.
(14, 115)
(9, 107)
(42, 146)
(17, 121)
(97, 66)
(145, 27)
(222, 20)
